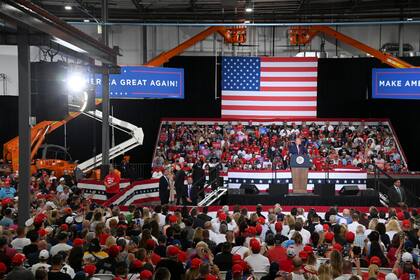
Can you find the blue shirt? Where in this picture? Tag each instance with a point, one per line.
(7, 192)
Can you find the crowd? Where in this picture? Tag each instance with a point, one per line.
(70, 237)
(248, 146)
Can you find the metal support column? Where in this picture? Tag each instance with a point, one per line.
(401, 40)
(24, 76)
(105, 97)
(145, 49)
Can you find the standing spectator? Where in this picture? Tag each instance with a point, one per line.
(224, 259)
(172, 263)
(256, 261)
(55, 273)
(397, 195)
(18, 271)
(112, 182)
(21, 240)
(179, 184)
(164, 188)
(42, 264)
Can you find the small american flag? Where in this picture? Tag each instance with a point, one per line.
(269, 87)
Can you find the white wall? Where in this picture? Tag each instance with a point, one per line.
(9, 67)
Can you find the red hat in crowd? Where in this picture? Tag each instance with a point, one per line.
(90, 269)
(237, 268)
(155, 259)
(252, 230)
(68, 211)
(18, 259)
(196, 262)
(258, 229)
(78, 242)
(261, 220)
(255, 244)
(64, 227)
(3, 268)
(222, 216)
(326, 227)
(400, 216)
(173, 250)
(329, 236)
(375, 260)
(150, 244)
(406, 223)
(278, 227)
(338, 247)
(350, 237)
(137, 263)
(173, 219)
(42, 232)
(308, 249)
(114, 250)
(146, 275)
(303, 255)
(39, 219)
(6, 201)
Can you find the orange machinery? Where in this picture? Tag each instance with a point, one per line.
(303, 35)
(41, 130)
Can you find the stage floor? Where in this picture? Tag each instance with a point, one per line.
(302, 199)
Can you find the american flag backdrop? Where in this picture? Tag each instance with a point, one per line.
(269, 87)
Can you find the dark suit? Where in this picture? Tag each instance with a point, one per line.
(179, 186)
(294, 150)
(395, 197)
(163, 190)
(192, 195)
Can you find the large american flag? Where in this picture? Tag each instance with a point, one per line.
(269, 87)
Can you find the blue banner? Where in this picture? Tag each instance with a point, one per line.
(396, 83)
(137, 82)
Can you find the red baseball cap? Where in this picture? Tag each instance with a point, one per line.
(326, 227)
(42, 232)
(146, 274)
(18, 259)
(114, 250)
(303, 255)
(155, 259)
(150, 244)
(329, 236)
(375, 260)
(350, 236)
(211, 277)
(172, 219)
(255, 244)
(338, 247)
(406, 223)
(261, 220)
(137, 263)
(308, 249)
(64, 227)
(278, 227)
(236, 258)
(222, 216)
(400, 216)
(252, 230)
(90, 269)
(182, 256)
(173, 250)
(78, 242)
(196, 262)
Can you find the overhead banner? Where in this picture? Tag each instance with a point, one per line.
(136, 82)
(396, 83)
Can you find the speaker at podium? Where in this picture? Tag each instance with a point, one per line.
(300, 165)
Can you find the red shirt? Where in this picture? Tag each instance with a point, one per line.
(111, 179)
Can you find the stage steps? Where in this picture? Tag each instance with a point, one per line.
(213, 196)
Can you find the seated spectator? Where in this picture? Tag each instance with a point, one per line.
(256, 261)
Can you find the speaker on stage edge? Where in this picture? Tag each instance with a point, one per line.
(349, 190)
(324, 190)
(249, 188)
(278, 189)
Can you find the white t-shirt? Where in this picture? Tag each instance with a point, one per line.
(219, 238)
(258, 262)
(240, 250)
(353, 227)
(60, 247)
(19, 243)
(306, 235)
(39, 265)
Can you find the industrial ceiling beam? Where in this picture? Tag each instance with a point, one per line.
(35, 18)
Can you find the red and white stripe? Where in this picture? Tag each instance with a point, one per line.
(288, 88)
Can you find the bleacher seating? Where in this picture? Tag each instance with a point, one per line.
(260, 145)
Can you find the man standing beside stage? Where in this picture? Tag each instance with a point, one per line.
(164, 187)
(190, 195)
(396, 194)
(179, 184)
(112, 183)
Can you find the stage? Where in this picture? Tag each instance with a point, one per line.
(364, 198)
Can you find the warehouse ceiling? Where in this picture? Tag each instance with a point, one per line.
(222, 11)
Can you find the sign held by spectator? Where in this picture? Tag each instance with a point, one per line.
(396, 83)
(136, 82)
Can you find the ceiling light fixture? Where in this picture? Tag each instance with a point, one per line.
(68, 7)
(249, 9)
(86, 20)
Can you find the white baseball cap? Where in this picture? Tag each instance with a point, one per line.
(407, 257)
(44, 255)
(319, 228)
(69, 220)
(51, 204)
(391, 276)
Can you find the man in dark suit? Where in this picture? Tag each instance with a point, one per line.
(164, 187)
(190, 193)
(179, 184)
(199, 176)
(297, 148)
(397, 195)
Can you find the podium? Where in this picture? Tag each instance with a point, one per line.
(300, 165)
